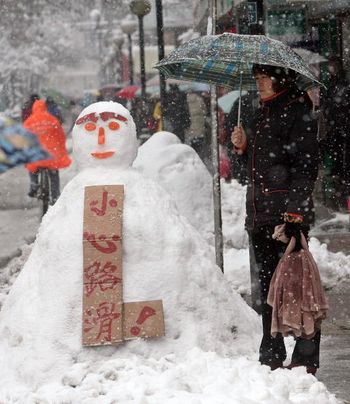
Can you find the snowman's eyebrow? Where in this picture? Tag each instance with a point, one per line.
(112, 115)
(86, 118)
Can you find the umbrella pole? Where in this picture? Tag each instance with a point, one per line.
(216, 181)
(216, 160)
(239, 101)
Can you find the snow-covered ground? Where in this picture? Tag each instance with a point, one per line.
(210, 365)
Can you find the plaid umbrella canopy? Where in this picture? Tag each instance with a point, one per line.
(226, 60)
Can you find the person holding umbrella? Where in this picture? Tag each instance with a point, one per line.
(280, 150)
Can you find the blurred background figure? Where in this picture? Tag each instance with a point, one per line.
(157, 117)
(335, 146)
(53, 109)
(176, 112)
(27, 107)
(195, 133)
(51, 136)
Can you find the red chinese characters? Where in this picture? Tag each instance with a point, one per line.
(101, 319)
(106, 318)
(102, 276)
(102, 255)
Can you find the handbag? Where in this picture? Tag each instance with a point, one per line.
(296, 294)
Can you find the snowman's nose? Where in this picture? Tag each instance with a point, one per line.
(101, 136)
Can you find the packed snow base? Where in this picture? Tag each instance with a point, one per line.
(209, 352)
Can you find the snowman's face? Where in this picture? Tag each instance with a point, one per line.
(104, 137)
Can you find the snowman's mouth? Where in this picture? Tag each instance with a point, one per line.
(102, 155)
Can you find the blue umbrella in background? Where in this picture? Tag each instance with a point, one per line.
(18, 146)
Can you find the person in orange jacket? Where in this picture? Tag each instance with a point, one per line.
(53, 139)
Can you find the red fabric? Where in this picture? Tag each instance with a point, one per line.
(296, 294)
(50, 135)
(225, 166)
(221, 125)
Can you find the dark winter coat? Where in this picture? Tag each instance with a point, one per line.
(249, 105)
(282, 160)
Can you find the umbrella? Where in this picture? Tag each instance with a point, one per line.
(128, 93)
(226, 60)
(183, 85)
(18, 146)
(60, 99)
(150, 90)
(226, 101)
(194, 87)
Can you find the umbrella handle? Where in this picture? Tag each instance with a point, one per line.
(239, 101)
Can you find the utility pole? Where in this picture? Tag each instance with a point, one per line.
(160, 34)
(219, 243)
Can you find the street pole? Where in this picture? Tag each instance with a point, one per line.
(160, 34)
(142, 58)
(128, 26)
(131, 62)
(219, 244)
(256, 304)
(141, 8)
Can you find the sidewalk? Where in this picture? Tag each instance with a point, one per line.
(335, 344)
(335, 340)
(26, 224)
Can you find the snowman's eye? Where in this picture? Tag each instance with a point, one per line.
(90, 126)
(113, 125)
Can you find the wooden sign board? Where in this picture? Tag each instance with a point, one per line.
(143, 320)
(102, 258)
(106, 319)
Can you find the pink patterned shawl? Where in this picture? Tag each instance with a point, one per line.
(296, 294)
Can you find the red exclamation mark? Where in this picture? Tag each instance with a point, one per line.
(146, 312)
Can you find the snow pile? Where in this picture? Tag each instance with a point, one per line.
(180, 171)
(164, 257)
(198, 377)
(183, 175)
(9, 274)
(334, 267)
(209, 352)
(233, 213)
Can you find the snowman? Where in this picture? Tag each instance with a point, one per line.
(164, 257)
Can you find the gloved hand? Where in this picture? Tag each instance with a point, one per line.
(293, 230)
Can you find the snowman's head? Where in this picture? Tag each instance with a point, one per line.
(104, 134)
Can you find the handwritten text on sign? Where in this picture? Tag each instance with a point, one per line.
(106, 319)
